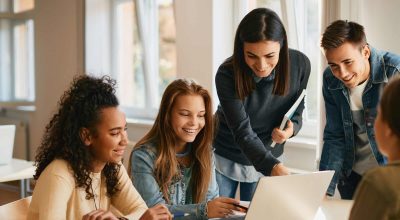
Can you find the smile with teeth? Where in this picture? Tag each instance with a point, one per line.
(119, 152)
(349, 78)
(189, 131)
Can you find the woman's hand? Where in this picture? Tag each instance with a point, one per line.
(280, 136)
(99, 214)
(279, 170)
(157, 212)
(221, 207)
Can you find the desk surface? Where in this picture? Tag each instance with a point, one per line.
(17, 170)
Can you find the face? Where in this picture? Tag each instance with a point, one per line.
(109, 144)
(262, 56)
(187, 118)
(349, 63)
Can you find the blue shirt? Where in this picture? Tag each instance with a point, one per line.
(142, 174)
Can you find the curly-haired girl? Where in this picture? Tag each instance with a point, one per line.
(79, 174)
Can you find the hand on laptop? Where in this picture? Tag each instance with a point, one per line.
(221, 207)
(279, 170)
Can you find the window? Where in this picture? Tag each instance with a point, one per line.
(16, 51)
(302, 21)
(133, 41)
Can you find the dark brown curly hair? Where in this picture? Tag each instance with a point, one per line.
(79, 107)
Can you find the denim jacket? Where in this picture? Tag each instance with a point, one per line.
(142, 174)
(338, 151)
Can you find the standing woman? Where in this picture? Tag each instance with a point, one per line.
(256, 86)
(79, 173)
(173, 163)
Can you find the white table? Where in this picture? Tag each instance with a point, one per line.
(18, 170)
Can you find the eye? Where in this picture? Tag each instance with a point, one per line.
(270, 56)
(348, 62)
(184, 114)
(333, 67)
(115, 132)
(251, 56)
(201, 116)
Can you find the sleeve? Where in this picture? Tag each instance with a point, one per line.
(304, 69)
(51, 194)
(365, 203)
(213, 189)
(128, 201)
(143, 179)
(332, 156)
(238, 122)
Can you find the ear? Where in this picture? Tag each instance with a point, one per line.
(85, 136)
(366, 51)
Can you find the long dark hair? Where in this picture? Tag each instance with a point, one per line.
(258, 25)
(166, 164)
(79, 107)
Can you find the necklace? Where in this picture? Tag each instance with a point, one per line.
(97, 180)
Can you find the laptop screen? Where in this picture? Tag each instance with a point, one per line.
(289, 197)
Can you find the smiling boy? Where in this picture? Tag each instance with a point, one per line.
(351, 89)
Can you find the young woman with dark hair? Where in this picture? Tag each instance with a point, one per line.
(256, 86)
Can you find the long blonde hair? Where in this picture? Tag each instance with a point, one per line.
(162, 134)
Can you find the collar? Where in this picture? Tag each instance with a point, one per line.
(269, 78)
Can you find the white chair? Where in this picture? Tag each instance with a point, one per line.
(15, 210)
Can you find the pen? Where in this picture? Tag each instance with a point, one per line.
(243, 208)
(179, 214)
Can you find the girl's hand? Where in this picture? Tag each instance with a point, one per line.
(99, 215)
(157, 212)
(221, 207)
(280, 136)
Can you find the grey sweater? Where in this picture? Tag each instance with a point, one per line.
(245, 126)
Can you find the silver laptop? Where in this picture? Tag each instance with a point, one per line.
(7, 135)
(289, 197)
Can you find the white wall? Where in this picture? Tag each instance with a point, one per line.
(381, 20)
(58, 57)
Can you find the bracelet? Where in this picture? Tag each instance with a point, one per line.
(206, 210)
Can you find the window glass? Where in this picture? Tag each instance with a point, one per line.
(136, 42)
(16, 54)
